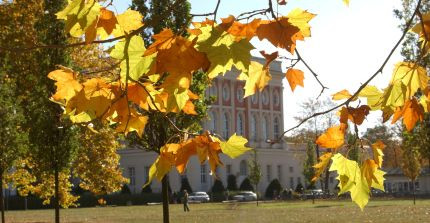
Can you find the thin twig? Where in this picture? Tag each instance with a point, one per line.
(361, 86)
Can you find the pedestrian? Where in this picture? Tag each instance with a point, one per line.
(185, 201)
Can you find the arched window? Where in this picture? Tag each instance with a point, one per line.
(213, 90)
(226, 93)
(254, 127)
(265, 130)
(239, 124)
(226, 126)
(276, 98)
(276, 127)
(239, 94)
(265, 97)
(212, 122)
(243, 168)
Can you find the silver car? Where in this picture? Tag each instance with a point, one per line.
(198, 197)
(245, 196)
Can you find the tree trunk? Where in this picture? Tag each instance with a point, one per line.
(413, 190)
(317, 150)
(57, 199)
(256, 191)
(327, 175)
(1, 197)
(165, 192)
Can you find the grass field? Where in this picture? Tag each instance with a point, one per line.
(298, 211)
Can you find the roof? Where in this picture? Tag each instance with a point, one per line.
(397, 171)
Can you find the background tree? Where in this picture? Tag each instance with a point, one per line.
(308, 169)
(12, 136)
(411, 163)
(231, 183)
(254, 171)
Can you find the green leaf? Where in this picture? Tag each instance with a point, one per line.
(235, 146)
(223, 51)
(79, 15)
(138, 64)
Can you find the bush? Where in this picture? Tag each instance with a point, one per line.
(246, 185)
(231, 183)
(125, 189)
(299, 188)
(147, 189)
(218, 187)
(185, 185)
(272, 188)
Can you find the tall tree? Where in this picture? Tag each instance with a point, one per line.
(254, 171)
(411, 162)
(308, 165)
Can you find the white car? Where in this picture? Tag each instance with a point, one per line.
(198, 197)
(245, 196)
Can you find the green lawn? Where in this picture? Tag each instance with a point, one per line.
(299, 211)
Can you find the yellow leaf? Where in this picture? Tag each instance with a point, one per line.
(373, 94)
(320, 167)
(135, 123)
(234, 147)
(346, 2)
(295, 77)
(163, 163)
(333, 138)
(257, 78)
(343, 94)
(377, 148)
(300, 18)
(128, 21)
(412, 75)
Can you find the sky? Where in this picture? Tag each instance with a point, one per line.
(348, 44)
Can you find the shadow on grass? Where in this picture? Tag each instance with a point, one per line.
(327, 206)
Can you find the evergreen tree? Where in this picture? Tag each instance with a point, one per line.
(218, 187)
(273, 188)
(246, 185)
(231, 183)
(185, 185)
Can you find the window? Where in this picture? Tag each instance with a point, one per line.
(243, 168)
(264, 125)
(228, 169)
(239, 124)
(226, 125)
(291, 169)
(292, 183)
(225, 93)
(203, 173)
(265, 97)
(132, 175)
(213, 91)
(279, 167)
(276, 98)
(213, 122)
(299, 180)
(269, 173)
(239, 94)
(254, 128)
(276, 127)
(254, 99)
(147, 173)
(331, 180)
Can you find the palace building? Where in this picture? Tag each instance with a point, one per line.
(257, 118)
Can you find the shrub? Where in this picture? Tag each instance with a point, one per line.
(231, 183)
(272, 188)
(299, 188)
(125, 189)
(185, 185)
(218, 187)
(246, 185)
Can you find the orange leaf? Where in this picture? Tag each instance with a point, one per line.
(320, 167)
(412, 112)
(67, 85)
(357, 115)
(269, 57)
(280, 33)
(295, 77)
(240, 30)
(189, 108)
(107, 20)
(333, 138)
(368, 170)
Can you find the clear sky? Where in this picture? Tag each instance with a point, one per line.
(347, 46)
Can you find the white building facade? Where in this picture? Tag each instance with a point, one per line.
(257, 118)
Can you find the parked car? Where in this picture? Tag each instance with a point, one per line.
(315, 193)
(245, 196)
(198, 197)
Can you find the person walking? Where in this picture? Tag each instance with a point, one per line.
(185, 201)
